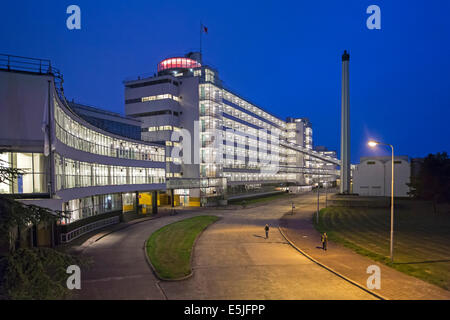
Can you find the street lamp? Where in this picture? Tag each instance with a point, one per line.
(318, 203)
(372, 144)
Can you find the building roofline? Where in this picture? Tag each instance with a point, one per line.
(383, 158)
(99, 110)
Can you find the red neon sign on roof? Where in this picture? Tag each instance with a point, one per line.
(172, 63)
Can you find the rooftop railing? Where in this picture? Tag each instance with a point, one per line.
(33, 65)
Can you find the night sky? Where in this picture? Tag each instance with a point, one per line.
(283, 56)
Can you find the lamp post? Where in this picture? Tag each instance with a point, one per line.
(318, 203)
(374, 144)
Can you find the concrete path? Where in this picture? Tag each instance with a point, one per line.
(394, 284)
(232, 260)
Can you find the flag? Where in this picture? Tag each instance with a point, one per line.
(204, 29)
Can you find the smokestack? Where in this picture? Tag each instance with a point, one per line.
(345, 126)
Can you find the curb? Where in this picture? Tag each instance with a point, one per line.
(125, 226)
(190, 259)
(330, 269)
(98, 236)
(130, 223)
(154, 269)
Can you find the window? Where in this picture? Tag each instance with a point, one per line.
(90, 206)
(153, 98)
(75, 174)
(77, 136)
(34, 177)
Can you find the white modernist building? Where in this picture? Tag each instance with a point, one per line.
(217, 137)
(186, 139)
(67, 163)
(372, 177)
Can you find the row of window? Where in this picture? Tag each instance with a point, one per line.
(184, 63)
(153, 98)
(77, 136)
(237, 176)
(90, 206)
(75, 174)
(172, 144)
(246, 105)
(173, 175)
(161, 128)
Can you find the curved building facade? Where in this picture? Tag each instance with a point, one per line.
(67, 163)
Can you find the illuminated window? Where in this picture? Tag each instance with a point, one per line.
(184, 63)
(160, 97)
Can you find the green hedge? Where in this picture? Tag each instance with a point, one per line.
(37, 274)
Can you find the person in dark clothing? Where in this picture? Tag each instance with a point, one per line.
(266, 229)
(324, 241)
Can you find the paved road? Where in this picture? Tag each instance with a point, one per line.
(232, 260)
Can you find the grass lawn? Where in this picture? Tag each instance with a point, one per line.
(421, 238)
(170, 247)
(258, 199)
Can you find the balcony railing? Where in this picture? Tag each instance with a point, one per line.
(34, 65)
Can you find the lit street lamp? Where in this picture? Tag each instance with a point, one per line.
(374, 144)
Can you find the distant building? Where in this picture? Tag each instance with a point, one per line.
(324, 165)
(108, 121)
(228, 143)
(372, 177)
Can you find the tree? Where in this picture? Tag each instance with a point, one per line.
(433, 179)
(15, 214)
(8, 174)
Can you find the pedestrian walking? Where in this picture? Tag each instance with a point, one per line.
(266, 228)
(324, 241)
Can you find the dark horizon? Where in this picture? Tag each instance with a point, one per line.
(283, 58)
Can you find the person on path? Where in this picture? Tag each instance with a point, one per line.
(266, 229)
(324, 241)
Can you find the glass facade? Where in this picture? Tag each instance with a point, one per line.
(33, 179)
(119, 128)
(211, 126)
(77, 174)
(172, 63)
(90, 206)
(82, 138)
(236, 134)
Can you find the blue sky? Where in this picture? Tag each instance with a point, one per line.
(284, 56)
